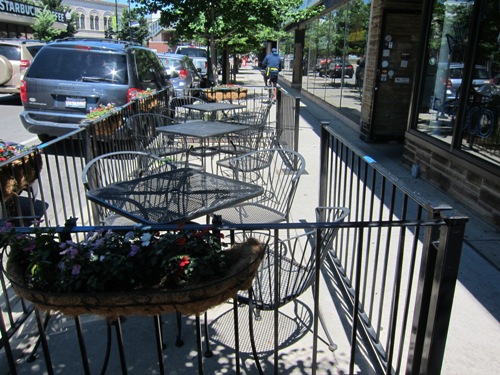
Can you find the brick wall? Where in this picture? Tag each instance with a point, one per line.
(469, 184)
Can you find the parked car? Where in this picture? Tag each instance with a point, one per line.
(15, 58)
(199, 56)
(335, 69)
(182, 73)
(70, 77)
(452, 80)
(332, 68)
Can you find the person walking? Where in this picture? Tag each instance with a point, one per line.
(272, 66)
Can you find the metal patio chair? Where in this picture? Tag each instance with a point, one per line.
(294, 263)
(183, 114)
(142, 129)
(258, 136)
(278, 171)
(116, 167)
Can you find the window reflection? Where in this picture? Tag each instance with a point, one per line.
(334, 47)
(451, 88)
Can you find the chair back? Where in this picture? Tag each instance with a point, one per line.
(278, 171)
(295, 259)
(142, 129)
(181, 114)
(117, 167)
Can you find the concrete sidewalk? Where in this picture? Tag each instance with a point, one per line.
(474, 335)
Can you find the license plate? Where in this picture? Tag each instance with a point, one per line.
(76, 102)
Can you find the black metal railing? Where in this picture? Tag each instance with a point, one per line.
(394, 276)
(389, 278)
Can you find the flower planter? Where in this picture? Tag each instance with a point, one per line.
(220, 94)
(20, 175)
(243, 262)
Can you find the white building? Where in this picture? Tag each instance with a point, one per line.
(94, 17)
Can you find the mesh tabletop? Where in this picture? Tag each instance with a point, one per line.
(213, 107)
(173, 196)
(203, 129)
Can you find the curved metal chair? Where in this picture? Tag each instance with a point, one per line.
(116, 167)
(142, 129)
(286, 272)
(278, 171)
(183, 114)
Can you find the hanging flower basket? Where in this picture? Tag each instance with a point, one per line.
(241, 263)
(20, 174)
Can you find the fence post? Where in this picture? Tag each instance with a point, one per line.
(323, 167)
(296, 120)
(435, 291)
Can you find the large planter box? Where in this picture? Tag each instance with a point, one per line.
(221, 94)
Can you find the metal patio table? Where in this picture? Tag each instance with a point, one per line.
(203, 130)
(175, 196)
(213, 108)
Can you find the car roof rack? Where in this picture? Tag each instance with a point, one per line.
(106, 40)
(24, 41)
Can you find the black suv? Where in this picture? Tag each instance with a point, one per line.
(70, 77)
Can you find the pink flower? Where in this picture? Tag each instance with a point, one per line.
(184, 261)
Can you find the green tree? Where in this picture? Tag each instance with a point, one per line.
(66, 9)
(43, 27)
(130, 30)
(222, 24)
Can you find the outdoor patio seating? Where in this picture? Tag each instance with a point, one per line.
(294, 264)
(143, 129)
(278, 171)
(181, 114)
(117, 167)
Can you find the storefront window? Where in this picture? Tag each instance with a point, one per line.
(468, 122)
(334, 45)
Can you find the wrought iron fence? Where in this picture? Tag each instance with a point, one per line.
(394, 262)
(394, 276)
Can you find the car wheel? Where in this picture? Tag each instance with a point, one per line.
(5, 70)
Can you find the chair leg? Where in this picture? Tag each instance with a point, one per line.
(252, 336)
(331, 344)
(178, 341)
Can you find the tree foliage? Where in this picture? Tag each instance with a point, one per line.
(221, 24)
(139, 33)
(42, 28)
(45, 27)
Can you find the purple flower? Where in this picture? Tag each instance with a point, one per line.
(72, 251)
(76, 270)
(133, 250)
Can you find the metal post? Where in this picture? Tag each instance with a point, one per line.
(436, 289)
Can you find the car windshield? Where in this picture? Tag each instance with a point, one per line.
(79, 65)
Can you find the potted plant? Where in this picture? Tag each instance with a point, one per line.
(105, 119)
(146, 99)
(137, 272)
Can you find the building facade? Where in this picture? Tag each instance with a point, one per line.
(94, 17)
(419, 57)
